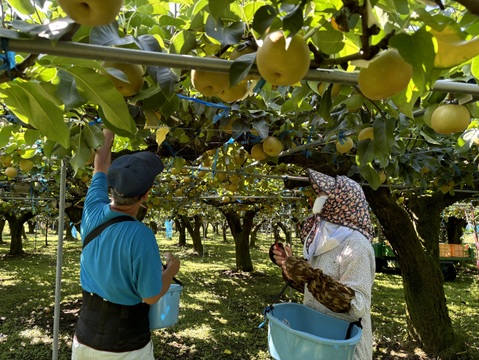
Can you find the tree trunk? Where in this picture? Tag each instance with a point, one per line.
(224, 227)
(154, 226)
(215, 228)
(286, 231)
(31, 226)
(240, 234)
(455, 229)
(276, 234)
(427, 314)
(254, 233)
(2, 227)
(194, 231)
(205, 226)
(68, 231)
(16, 230)
(181, 232)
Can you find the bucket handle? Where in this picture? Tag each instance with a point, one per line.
(269, 308)
(350, 328)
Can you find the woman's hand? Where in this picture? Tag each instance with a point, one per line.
(281, 253)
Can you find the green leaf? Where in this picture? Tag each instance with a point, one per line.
(217, 7)
(182, 42)
(417, 50)
(475, 67)
(93, 136)
(67, 91)
(328, 40)
(262, 127)
(108, 35)
(32, 105)
(31, 136)
(325, 105)
(241, 67)
(17, 101)
(365, 153)
(29, 153)
(5, 134)
(384, 135)
(293, 21)
(263, 18)
(80, 156)
(226, 35)
(99, 90)
(53, 31)
(370, 175)
(169, 106)
(65, 62)
(24, 7)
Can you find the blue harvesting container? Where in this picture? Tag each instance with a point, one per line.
(164, 312)
(296, 331)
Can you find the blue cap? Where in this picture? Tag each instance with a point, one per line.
(133, 175)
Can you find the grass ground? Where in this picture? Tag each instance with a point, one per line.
(220, 309)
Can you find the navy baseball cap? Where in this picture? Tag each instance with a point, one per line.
(133, 175)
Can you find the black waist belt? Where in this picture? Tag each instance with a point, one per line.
(107, 326)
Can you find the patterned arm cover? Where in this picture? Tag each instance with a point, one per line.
(329, 292)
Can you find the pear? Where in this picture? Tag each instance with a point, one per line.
(91, 12)
(209, 83)
(386, 75)
(272, 146)
(234, 93)
(450, 119)
(133, 72)
(283, 61)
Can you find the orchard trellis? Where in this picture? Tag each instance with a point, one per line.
(187, 62)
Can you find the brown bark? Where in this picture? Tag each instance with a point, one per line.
(16, 221)
(194, 231)
(241, 231)
(426, 311)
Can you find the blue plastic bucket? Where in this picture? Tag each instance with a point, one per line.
(164, 312)
(296, 331)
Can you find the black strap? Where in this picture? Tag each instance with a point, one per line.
(98, 230)
(350, 328)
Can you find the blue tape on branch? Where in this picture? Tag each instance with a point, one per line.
(220, 115)
(215, 105)
(95, 122)
(225, 109)
(259, 85)
(8, 58)
(341, 137)
(169, 148)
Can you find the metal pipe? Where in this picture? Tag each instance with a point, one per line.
(58, 277)
(188, 62)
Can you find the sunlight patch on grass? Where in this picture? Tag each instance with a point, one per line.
(35, 336)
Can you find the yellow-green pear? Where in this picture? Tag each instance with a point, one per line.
(134, 74)
(91, 12)
(283, 61)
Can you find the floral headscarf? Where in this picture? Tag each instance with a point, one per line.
(346, 205)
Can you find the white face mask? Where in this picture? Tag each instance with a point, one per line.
(319, 203)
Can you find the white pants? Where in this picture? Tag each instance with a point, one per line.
(83, 352)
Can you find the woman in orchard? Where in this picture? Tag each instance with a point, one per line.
(336, 271)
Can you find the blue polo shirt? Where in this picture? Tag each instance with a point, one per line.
(123, 263)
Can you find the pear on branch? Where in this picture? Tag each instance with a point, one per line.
(283, 61)
(91, 12)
